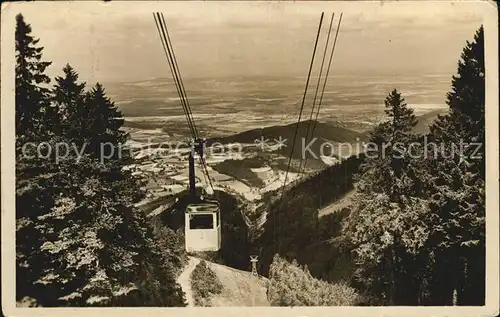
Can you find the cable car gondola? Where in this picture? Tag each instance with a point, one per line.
(202, 215)
(203, 227)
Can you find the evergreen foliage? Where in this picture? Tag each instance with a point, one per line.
(387, 226)
(295, 232)
(80, 241)
(293, 285)
(205, 284)
(104, 124)
(32, 104)
(89, 118)
(69, 100)
(418, 225)
(457, 180)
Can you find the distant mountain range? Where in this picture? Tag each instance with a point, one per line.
(321, 130)
(327, 137)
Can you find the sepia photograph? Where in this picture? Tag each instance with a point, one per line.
(263, 157)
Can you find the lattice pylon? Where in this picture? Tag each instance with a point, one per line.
(253, 260)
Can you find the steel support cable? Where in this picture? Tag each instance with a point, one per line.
(300, 116)
(205, 170)
(302, 105)
(186, 100)
(176, 72)
(164, 44)
(157, 22)
(204, 175)
(188, 106)
(171, 54)
(326, 78)
(317, 87)
(163, 31)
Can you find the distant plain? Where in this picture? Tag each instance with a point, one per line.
(228, 105)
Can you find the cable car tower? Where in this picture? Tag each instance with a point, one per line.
(202, 214)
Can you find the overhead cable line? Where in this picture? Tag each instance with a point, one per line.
(174, 68)
(295, 136)
(326, 78)
(171, 66)
(204, 164)
(317, 87)
(181, 83)
(301, 107)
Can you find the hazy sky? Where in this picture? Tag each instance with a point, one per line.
(119, 42)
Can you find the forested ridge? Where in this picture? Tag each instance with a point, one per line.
(293, 224)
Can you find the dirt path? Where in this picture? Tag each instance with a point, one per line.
(184, 280)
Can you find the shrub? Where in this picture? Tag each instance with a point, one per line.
(205, 284)
(293, 285)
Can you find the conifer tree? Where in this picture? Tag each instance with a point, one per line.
(33, 119)
(92, 247)
(468, 86)
(105, 121)
(79, 239)
(387, 224)
(90, 119)
(389, 167)
(457, 179)
(32, 102)
(69, 98)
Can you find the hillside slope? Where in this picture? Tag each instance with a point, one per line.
(423, 124)
(426, 120)
(339, 204)
(240, 288)
(330, 140)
